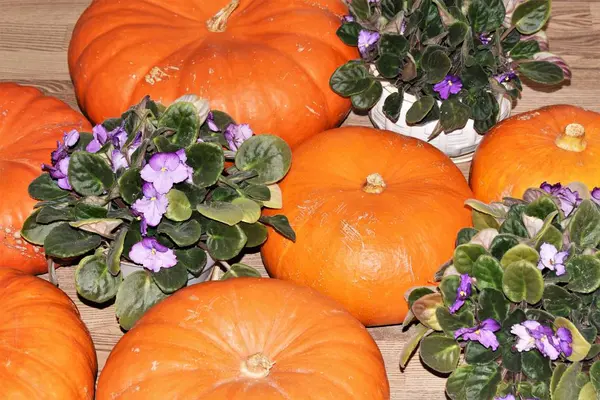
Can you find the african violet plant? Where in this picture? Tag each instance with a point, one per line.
(157, 189)
(520, 300)
(465, 53)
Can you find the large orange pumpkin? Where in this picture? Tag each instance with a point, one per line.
(245, 338)
(46, 352)
(30, 125)
(264, 62)
(555, 144)
(375, 213)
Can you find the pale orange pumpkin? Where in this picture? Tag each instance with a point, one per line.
(30, 125)
(264, 62)
(46, 352)
(245, 338)
(558, 143)
(375, 213)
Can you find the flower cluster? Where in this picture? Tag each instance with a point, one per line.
(520, 298)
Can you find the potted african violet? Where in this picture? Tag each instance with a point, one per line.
(517, 311)
(428, 67)
(155, 200)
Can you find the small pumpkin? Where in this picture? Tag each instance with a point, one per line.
(30, 125)
(245, 338)
(264, 62)
(46, 351)
(375, 213)
(558, 143)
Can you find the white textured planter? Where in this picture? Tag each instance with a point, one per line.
(458, 145)
(127, 269)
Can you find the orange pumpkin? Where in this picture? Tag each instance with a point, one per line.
(245, 338)
(30, 125)
(46, 352)
(265, 62)
(375, 213)
(555, 144)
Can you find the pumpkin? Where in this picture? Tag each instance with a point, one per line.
(245, 338)
(46, 352)
(558, 143)
(30, 125)
(375, 213)
(264, 62)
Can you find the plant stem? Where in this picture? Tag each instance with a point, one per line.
(52, 272)
(507, 32)
(225, 264)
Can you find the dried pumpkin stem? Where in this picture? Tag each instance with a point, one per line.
(256, 366)
(573, 139)
(375, 184)
(218, 23)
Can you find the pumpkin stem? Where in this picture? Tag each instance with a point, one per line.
(573, 139)
(375, 184)
(256, 366)
(218, 23)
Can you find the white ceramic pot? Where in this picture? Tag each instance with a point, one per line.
(128, 269)
(459, 145)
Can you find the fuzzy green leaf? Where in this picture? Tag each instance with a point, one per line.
(440, 352)
(531, 16)
(267, 155)
(522, 280)
(89, 174)
(93, 280)
(136, 294)
(45, 188)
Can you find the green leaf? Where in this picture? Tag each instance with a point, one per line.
(484, 125)
(369, 97)
(454, 115)
(523, 281)
(113, 257)
(483, 221)
(93, 280)
(436, 65)
(179, 208)
(350, 79)
(36, 233)
(448, 288)
(135, 296)
(164, 145)
(394, 45)
(207, 160)
(542, 72)
(101, 226)
(389, 66)
(535, 365)
(419, 109)
(239, 270)
(281, 225)
(251, 211)
(194, 259)
(45, 188)
(361, 9)
(171, 279)
(567, 388)
(531, 16)
(559, 370)
(595, 375)
(520, 252)
(269, 156)
(492, 304)
(524, 49)
(584, 273)
(588, 392)
(348, 33)
(477, 354)
(183, 118)
(474, 382)
(224, 242)
(66, 242)
(514, 222)
(195, 194)
(256, 233)
(584, 228)
(89, 211)
(475, 77)
(511, 360)
(411, 344)
(393, 105)
(502, 243)
(449, 323)
(465, 235)
(549, 234)
(457, 32)
(50, 214)
(486, 15)
(130, 185)
(465, 256)
(541, 207)
(226, 213)
(132, 237)
(481, 104)
(440, 353)
(183, 234)
(89, 174)
(580, 345)
(559, 301)
(540, 315)
(425, 310)
(258, 192)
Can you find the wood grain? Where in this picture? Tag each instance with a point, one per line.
(34, 37)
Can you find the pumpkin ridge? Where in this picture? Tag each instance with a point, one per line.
(14, 89)
(24, 387)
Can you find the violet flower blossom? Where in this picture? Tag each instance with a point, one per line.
(164, 170)
(236, 135)
(366, 42)
(118, 159)
(485, 38)
(210, 120)
(152, 206)
(552, 259)
(531, 334)
(450, 85)
(567, 198)
(152, 255)
(59, 172)
(117, 136)
(507, 397)
(183, 158)
(506, 76)
(347, 18)
(482, 333)
(565, 341)
(596, 195)
(462, 293)
(70, 139)
(143, 223)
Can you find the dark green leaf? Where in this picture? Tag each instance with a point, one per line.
(171, 279)
(239, 270)
(514, 222)
(474, 382)
(281, 224)
(113, 256)
(50, 214)
(183, 118)
(484, 125)
(130, 185)
(559, 370)
(132, 237)
(567, 387)
(88, 211)
(268, 155)
(193, 259)
(595, 375)
(440, 352)
(135, 296)
(350, 79)
(483, 221)
(475, 77)
(524, 49)
(419, 109)
(584, 228)
(511, 360)
(522, 280)
(436, 65)
(448, 287)
(226, 213)
(369, 97)
(194, 194)
(486, 15)
(559, 301)
(389, 66)
(531, 16)
(584, 273)
(207, 160)
(416, 294)
(66, 242)
(503, 243)
(256, 233)
(477, 354)
(164, 145)
(454, 115)
(487, 273)
(457, 32)
(393, 105)
(45, 188)
(542, 72)
(183, 234)
(179, 208)
(541, 208)
(492, 304)
(481, 104)
(465, 235)
(224, 242)
(535, 365)
(549, 234)
(465, 256)
(394, 45)
(348, 33)
(258, 192)
(539, 315)
(89, 174)
(451, 322)
(361, 9)
(36, 233)
(93, 280)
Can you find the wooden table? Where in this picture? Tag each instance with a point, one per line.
(34, 37)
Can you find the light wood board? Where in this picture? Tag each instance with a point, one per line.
(34, 37)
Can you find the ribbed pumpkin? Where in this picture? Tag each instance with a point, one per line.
(30, 125)
(46, 352)
(245, 338)
(558, 143)
(375, 213)
(265, 62)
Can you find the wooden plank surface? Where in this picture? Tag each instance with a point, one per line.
(34, 37)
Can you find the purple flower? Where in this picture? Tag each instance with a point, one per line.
(506, 76)
(59, 172)
(347, 18)
(183, 158)
(152, 255)
(236, 135)
(70, 139)
(152, 206)
(485, 38)
(549, 188)
(525, 341)
(210, 120)
(565, 341)
(482, 333)
(507, 397)
(118, 159)
(366, 42)
(552, 259)
(567, 198)
(532, 334)
(596, 195)
(450, 85)
(143, 224)
(462, 293)
(117, 136)
(164, 170)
